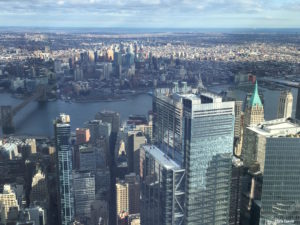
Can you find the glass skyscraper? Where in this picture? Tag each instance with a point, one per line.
(208, 131)
(275, 147)
(167, 126)
(162, 188)
(62, 131)
(197, 132)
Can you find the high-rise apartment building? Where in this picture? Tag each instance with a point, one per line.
(128, 195)
(162, 188)
(62, 130)
(285, 106)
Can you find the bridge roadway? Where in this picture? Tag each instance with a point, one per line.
(8, 112)
(282, 82)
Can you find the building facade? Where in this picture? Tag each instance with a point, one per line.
(274, 147)
(162, 188)
(254, 112)
(208, 131)
(84, 195)
(285, 106)
(62, 130)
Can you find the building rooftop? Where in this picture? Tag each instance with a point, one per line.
(161, 157)
(276, 128)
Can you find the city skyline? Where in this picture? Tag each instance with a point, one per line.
(151, 14)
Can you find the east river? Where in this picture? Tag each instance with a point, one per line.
(37, 118)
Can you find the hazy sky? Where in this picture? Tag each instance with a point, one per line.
(152, 13)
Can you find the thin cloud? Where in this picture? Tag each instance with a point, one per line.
(150, 13)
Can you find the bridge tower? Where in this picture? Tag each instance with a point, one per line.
(42, 90)
(7, 119)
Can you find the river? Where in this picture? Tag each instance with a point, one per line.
(36, 118)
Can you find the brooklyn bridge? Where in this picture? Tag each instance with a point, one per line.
(8, 112)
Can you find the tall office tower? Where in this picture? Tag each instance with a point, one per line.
(134, 192)
(118, 58)
(102, 184)
(238, 118)
(88, 158)
(82, 135)
(236, 191)
(110, 117)
(254, 112)
(135, 140)
(8, 200)
(162, 188)
(97, 129)
(84, 195)
(39, 190)
(298, 106)
(114, 119)
(208, 143)
(285, 106)
(91, 55)
(110, 54)
(257, 139)
(238, 127)
(167, 124)
(62, 131)
(276, 151)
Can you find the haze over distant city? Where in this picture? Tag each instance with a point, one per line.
(151, 13)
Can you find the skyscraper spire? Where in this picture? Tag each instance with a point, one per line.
(255, 99)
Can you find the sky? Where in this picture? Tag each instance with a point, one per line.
(151, 13)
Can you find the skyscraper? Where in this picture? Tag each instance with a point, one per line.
(254, 113)
(135, 140)
(167, 124)
(128, 195)
(62, 130)
(84, 194)
(8, 199)
(162, 188)
(208, 131)
(285, 105)
(197, 132)
(236, 191)
(276, 150)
